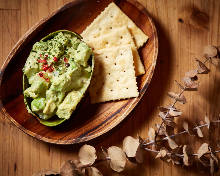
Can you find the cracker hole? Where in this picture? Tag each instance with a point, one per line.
(110, 27)
(121, 37)
(117, 80)
(109, 73)
(106, 56)
(124, 71)
(126, 87)
(111, 90)
(115, 63)
(111, 16)
(121, 54)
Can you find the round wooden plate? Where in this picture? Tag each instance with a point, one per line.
(89, 121)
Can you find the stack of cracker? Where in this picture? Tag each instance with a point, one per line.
(115, 40)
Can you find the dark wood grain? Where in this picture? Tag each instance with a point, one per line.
(89, 121)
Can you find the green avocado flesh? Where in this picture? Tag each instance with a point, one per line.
(57, 74)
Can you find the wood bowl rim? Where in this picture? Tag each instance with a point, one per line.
(133, 103)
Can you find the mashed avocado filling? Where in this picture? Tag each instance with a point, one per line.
(57, 74)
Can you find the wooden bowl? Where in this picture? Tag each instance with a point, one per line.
(88, 121)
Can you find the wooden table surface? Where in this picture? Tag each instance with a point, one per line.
(180, 40)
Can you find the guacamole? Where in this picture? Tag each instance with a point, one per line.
(57, 73)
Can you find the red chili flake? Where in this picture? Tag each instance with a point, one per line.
(45, 67)
(42, 61)
(40, 55)
(55, 59)
(46, 56)
(65, 59)
(41, 74)
(47, 79)
(50, 69)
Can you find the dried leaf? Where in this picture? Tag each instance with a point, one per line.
(212, 166)
(163, 109)
(151, 134)
(162, 153)
(87, 155)
(191, 73)
(163, 130)
(202, 67)
(169, 122)
(139, 155)
(185, 156)
(172, 143)
(175, 159)
(130, 146)
(46, 173)
(199, 132)
(70, 168)
(141, 140)
(204, 160)
(189, 83)
(203, 149)
(213, 155)
(186, 126)
(210, 51)
(163, 115)
(117, 158)
(207, 121)
(92, 171)
(174, 112)
(180, 98)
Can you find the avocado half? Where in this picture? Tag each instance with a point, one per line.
(54, 121)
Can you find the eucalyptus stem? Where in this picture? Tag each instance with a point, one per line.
(177, 134)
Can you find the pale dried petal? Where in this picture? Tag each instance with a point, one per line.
(207, 121)
(162, 153)
(199, 132)
(139, 155)
(46, 173)
(87, 155)
(130, 146)
(189, 83)
(185, 156)
(92, 171)
(172, 143)
(203, 149)
(202, 67)
(210, 51)
(177, 97)
(151, 134)
(70, 168)
(117, 158)
(191, 73)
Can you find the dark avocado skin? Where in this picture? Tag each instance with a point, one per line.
(56, 121)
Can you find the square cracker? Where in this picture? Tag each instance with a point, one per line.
(114, 75)
(117, 37)
(110, 18)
